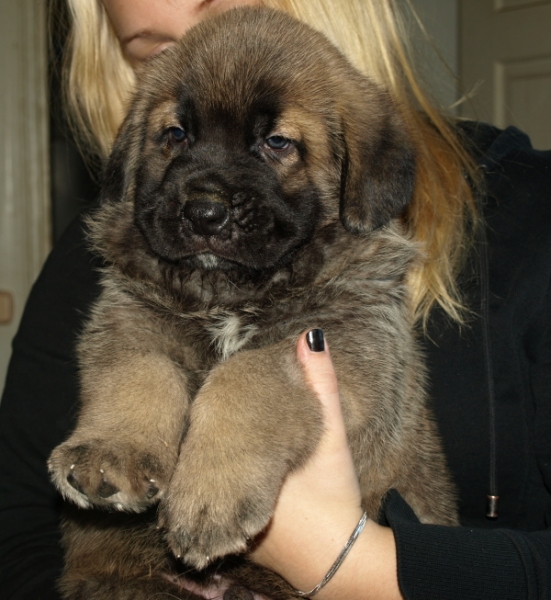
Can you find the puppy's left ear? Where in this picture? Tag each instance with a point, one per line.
(119, 170)
(114, 176)
(378, 173)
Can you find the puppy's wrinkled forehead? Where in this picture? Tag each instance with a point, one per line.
(247, 61)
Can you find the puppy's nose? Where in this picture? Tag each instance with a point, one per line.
(207, 217)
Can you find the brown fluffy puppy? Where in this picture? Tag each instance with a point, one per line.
(252, 193)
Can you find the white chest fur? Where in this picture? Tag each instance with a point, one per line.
(229, 334)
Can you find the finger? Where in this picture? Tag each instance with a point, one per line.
(314, 355)
(333, 454)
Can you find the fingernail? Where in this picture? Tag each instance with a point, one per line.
(315, 340)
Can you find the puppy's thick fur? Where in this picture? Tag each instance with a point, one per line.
(252, 193)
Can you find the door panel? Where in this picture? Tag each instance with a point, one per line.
(505, 57)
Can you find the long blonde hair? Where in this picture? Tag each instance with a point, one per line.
(373, 34)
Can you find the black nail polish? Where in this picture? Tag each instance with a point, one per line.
(315, 340)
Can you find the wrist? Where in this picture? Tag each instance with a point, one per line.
(303, 552)
(347, 548)
(368, 571)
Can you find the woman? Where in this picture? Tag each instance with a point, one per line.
(482, 298)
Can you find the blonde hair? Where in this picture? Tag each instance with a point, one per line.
(373, 35)
(97, 81)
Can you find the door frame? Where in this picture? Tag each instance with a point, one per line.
(25, 206)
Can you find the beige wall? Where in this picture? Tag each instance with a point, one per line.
(440, 18)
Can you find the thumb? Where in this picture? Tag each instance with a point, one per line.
(314, 356)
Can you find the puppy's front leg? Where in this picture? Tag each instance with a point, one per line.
(252, 422)
(134, 402)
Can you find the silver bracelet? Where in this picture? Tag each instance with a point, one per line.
(338, 562)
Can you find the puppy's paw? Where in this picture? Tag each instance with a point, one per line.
(109, 474)
(211, 511)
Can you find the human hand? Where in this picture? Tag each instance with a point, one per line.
(320, 505)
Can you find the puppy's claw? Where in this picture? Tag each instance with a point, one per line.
(106, 489)
(152, 491)
(74, 482)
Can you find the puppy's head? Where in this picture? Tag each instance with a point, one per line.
(248, 136)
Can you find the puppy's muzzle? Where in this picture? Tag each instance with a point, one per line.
(208, 215)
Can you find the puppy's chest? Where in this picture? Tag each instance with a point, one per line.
(229, 332)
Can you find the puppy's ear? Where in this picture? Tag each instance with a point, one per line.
(378, 174)
(118, 172)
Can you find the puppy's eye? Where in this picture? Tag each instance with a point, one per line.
(278, 143)
(176, 135)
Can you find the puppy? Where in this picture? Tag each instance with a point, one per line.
(254, 191)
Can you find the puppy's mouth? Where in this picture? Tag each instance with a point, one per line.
(207, 261)
(239, 231)
(226, 243)
(219, 235)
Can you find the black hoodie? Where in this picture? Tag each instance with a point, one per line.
(508, 557)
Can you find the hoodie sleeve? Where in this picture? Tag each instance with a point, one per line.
(460, 563)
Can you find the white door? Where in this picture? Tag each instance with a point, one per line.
(506, 56)
(24, 164)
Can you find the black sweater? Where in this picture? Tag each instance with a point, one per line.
(509, 557)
